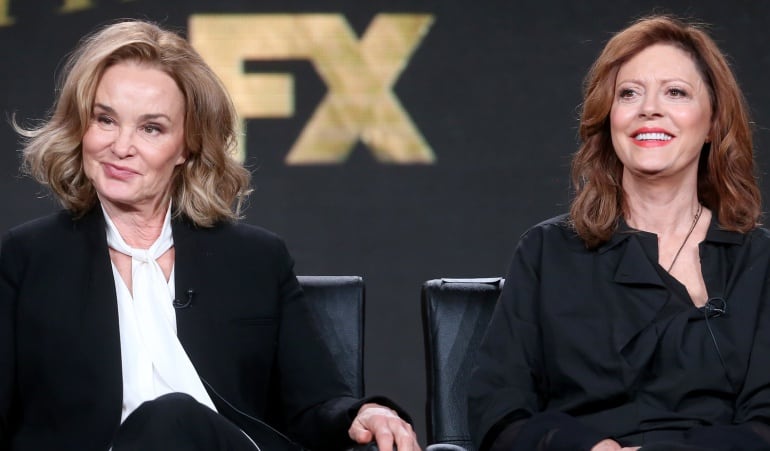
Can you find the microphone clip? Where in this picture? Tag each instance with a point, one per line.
(715, 307)
(179, 304)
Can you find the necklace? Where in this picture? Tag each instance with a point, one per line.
(687, 237)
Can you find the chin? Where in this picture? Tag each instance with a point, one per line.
(116, 198)
(647, 171)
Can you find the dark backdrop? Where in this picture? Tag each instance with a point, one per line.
(493, 88)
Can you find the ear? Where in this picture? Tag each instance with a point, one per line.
(711, 130)
(182, 157)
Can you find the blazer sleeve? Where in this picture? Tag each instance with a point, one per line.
(9, 280)
(506, 392)
(315, 399)
(319, 406)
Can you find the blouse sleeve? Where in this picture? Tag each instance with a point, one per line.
(507, 383)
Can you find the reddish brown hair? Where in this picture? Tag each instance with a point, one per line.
(726, 181)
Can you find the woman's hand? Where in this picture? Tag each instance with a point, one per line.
(376, 422)
(607, 445)
(611, 445)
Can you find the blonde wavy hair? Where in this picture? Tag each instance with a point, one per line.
(209, 187)
(726, 180)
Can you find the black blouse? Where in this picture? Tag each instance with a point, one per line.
(604, 343)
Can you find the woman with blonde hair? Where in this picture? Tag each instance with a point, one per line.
(144, 315)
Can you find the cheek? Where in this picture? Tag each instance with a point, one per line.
(93, 141)
(92, 144)
(619, 119)
(696, 120)
(87, 151)
(618, 124)
(171, 159)
(89, 164)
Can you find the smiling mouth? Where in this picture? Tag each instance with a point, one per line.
(118, 172)
(656, 136)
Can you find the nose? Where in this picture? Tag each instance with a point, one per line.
(650, 106)
(123, 145)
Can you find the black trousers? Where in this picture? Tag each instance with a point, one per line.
(177, 422)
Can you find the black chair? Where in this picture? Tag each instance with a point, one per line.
(455, 314)
(337, 304)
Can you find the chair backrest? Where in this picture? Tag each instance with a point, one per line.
(455, 314)
(337, 303)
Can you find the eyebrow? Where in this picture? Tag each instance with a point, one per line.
(663, 81)
(143, 117)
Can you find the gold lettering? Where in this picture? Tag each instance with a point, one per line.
(5, 13)
(76, 5)
(359, 104)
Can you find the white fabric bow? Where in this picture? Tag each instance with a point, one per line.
(154, 361)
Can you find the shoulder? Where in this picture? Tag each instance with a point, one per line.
(552, 239)
(236, 231)
(232, 237)
(760, 234)
(556, 223)
(758, 240)
(46, 241)
(61, 220)
(40, 231)
(557, 229)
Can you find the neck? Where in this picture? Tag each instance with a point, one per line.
(660, 208)
(662, 218)
(139, 228)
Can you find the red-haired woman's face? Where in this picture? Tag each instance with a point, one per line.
(661, 114)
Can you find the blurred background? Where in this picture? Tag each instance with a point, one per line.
(460, 137)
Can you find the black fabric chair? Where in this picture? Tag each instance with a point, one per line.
(337, 304)
(455, 314)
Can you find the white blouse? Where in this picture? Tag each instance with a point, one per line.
(153, 360)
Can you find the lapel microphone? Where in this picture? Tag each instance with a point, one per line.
(177, 303)
(715, 307)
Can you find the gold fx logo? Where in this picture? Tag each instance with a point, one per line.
(359, 74)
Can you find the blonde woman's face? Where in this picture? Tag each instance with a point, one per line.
(135, 138)
(661, 114)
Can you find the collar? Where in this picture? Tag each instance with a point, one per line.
(715, 234)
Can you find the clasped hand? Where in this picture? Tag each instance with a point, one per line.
(611, 445)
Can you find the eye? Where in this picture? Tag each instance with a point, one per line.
(677, 92)
(151, 129)
(627, 93)
(103, 119)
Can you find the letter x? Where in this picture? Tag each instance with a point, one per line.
(359, 104)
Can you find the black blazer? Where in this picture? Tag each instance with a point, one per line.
(247, 333)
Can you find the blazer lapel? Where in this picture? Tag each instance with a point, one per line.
(192, 274)
(196, 267)
(99, 331)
